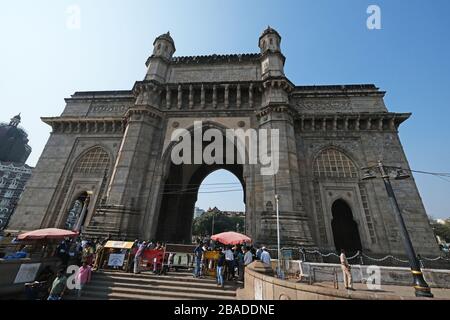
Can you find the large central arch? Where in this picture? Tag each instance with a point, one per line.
(180, 191)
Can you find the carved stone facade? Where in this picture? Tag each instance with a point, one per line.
(327, 133)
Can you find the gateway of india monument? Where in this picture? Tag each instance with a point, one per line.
(107, 170)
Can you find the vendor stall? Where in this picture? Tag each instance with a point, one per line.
(116, 255)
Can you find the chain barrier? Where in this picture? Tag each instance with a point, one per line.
(358, 254)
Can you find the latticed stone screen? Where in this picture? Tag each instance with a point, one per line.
(333, 163)
(95, 160)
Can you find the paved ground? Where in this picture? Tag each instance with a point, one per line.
(407, 292)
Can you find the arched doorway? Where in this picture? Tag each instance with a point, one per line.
(220, 204)
(78, 212)
(345, 230)
(180, 193)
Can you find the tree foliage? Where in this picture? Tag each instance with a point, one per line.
(202, 225)
(441, 230)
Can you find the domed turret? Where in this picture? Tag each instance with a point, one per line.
(272, 60)
(164, 46)
(157, 64)
(13, 142)
(270, 40)
(15, 120)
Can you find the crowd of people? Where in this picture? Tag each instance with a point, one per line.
(231, 261)
(91, 255)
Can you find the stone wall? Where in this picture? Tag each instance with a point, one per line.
(261, 285)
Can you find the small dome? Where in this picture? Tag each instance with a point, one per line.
(167, 37)
(13, 142)
(268, 31)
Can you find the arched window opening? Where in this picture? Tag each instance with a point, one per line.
(333, 163)
(95, 161)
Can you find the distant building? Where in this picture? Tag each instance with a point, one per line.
(227, 213)
(13, 177)
(198, 212)
(14, 173)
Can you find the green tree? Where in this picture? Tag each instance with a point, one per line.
(202, 225)
(441, 230)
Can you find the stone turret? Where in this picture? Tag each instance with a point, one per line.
(272, 60)
(158, 62)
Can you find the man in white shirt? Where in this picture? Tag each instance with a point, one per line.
(346, 271)
(265, 257)
(229, 263)
(248, 257)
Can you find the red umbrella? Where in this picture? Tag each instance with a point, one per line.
(231, 238)
(51, 233)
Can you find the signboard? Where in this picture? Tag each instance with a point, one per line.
(116, 260)
(119, 244)
(27, 272)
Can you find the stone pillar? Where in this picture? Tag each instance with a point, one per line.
(214, 101)
(202, 97)
(238, 96)
(294, 227)
(132, 160)
(226, 96)
(180, 96)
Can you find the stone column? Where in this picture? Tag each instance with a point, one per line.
(132, 160)
(226, 96)
(276, 114)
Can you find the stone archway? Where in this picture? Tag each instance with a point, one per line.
(178, 200)
(77, 214)
(345, 229)
(180, 192)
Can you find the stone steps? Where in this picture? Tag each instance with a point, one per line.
(112, 285)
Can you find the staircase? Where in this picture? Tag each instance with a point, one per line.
(115, 285)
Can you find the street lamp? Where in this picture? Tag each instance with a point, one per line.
(277, 199)
(421, 287)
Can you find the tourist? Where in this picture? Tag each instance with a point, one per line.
(83, 277)
(63, 252)
(248, 256)
(258, 253)
(265, 257)
(220, 265)
(240, 262)
(346, 271)
(99, 250)
(88, 253)
(229, 263)
(138, 258)
(198, 253)
(58, 287)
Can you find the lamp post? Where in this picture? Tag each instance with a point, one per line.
(277, 199)
(421, 287)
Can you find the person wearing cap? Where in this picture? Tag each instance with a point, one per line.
(265, 257)
(346, 271)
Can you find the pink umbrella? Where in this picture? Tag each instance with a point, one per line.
(51, 233)
(231, 238)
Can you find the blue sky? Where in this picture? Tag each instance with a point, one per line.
(325, 42)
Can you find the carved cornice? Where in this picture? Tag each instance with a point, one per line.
(85, 125)
(383, 121)
(282, 83)
(217, 58)
(143, 111)
(273, 108)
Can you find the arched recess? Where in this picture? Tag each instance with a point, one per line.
(336, 177)
(86, 184)
(345, 229)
